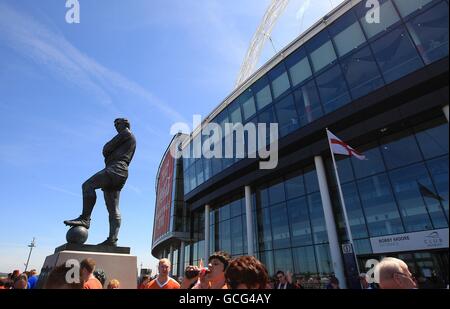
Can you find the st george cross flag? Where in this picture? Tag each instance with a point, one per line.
(339, 147)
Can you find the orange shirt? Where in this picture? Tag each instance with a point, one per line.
(92, 284)
(156, 285)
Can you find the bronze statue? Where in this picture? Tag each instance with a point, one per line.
(118, 154)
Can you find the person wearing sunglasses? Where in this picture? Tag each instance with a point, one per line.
(393, 273)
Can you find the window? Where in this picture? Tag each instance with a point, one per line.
(235, 113)
(299, 67)
(388, 18)
(295, 186)
(287, 116)
(400, 149)
(301, 233)
(199, 171)
(407, 7)
(225, 236)
(193, 177)
(324, 263)
(433, 141)
(276, 193)
(236, 208)
(344, 168)
(207, 168)
(267, 117)
(317, 218)
(264, 197)
(361, 72)
(283, 260)
(311, 181)
(308, 103)
(430, 33)
(354, 211)
(248, 104)
(224, 212)
(374, 163)
(264, 229)
(266, 258)
(347, 34)
(396, 55)
(362, 246)
(237, 244)
(333, 90)
(379, 206)
(304, 261)
(280, 80)
(280, 226)
(262, 93)
(321, 51)
(411, 187)
(439, 173)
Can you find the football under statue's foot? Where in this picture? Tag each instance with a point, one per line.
(78, 222)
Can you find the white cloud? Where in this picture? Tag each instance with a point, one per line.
(39, 43)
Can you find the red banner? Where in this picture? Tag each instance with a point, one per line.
(164, 197)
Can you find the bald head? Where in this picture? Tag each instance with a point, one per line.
(394, 274)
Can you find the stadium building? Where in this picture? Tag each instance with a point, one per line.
(380, 87)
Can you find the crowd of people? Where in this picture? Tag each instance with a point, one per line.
(221, 272)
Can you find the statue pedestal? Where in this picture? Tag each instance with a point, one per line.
(116, 262)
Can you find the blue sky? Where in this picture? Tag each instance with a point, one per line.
(62, 85)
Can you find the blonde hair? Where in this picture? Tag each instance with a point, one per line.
(166, 261)
(114, 284)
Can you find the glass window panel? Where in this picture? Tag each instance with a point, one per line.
(283, 260)
(187, 182)
(361, 72)
(248, 104)
(225, 236)
(295, 186)
(235, 113)
(323, 257)
(304, 261)
(354, 211)
(396, 54)
(407, 7)
(280, 80)
(317, 218)
(264, 197)
(388, 18)
(301, 233)
(216, 166)
(207, 168)
(363, 246)
(439, 173)
(287, 116)
(333, 89)
(237, 244)
(379, 206)
(344, 169)
(400, 149)
(430, 33)
(433, 141)
(374, 163)
(199, 171)
(236, 208)
(280, 226)
(193, 177)
(321, 51)
(311, 181)
(411, 187)
(262, 93)
(308, 103)
(224, 212)
(267, 117)
(347, 34)
(266, 258)
(264, 229)
(299, 67)
(276, 193)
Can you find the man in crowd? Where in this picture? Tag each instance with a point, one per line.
(163, 281)
(394, 274)
(87, 268)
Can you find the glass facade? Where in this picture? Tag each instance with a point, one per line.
(396, 190)
(347, 60)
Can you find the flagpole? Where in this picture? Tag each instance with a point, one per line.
(341, 196)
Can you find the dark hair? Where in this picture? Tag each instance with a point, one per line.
(124, 120)
(246, 270)
(88, 264)
(334, 280)
(100, 275)
(222, 256)
(57, 279)
(280, 272)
